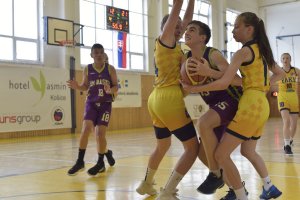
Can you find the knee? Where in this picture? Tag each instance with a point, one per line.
(249, 154)
(86, 131)
(286, 122)
(220, 156)
(163, 147)
(191, 147)
(202, 125)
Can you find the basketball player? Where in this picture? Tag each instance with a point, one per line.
(166, 105)
(288, 104)
(223, 104)
(100, 81)
(253, 59)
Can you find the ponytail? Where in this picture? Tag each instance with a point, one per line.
(260, 36)
(264, 44)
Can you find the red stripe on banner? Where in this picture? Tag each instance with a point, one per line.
(124, 60)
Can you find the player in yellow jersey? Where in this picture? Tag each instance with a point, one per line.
(288, 103)
(166, 105)
(254, 60)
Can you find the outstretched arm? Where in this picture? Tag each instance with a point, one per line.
(226, 79)
(83, 86)
(168, 33)
(188, 15)
(202, 68)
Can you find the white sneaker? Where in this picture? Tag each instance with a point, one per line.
(146, 188)
(167, 195)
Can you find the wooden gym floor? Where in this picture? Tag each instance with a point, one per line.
(36, 168)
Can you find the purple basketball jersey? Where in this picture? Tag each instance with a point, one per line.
(96, 80)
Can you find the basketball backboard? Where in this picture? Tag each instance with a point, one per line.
(57, 30)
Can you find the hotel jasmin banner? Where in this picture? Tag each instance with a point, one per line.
(129, 94)
(34, 99)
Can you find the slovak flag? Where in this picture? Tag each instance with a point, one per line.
(122, 49)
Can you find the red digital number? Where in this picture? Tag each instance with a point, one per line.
(112, 11)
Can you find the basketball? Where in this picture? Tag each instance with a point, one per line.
(186, 77)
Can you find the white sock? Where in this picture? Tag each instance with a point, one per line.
(173, 181)
(267, 183)
(287, 142)
(216, 172)
(150, 175)
(241, 194)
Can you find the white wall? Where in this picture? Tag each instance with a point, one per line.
(56, 56)
(283, 19)
(219, 8)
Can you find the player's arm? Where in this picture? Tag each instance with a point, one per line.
(167, 36)
(277, 74)
(222, 64)
(188, 15)
(202, 68)
(113, 89)
(298, 74)
(239, 57)
(83, 86)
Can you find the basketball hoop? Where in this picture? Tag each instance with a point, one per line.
(67, 43)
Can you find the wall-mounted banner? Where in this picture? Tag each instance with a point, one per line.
(129, 94)
(195, 105)
(34, 99)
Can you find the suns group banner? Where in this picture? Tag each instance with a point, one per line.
(129, 94)
(34, 99)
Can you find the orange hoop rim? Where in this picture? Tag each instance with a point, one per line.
(67, 43)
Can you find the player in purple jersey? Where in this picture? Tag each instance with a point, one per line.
(223, 104)
(101, 83)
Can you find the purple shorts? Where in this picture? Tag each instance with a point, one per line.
(226, 110)
(99, 113)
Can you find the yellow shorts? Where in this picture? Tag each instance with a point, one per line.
(288, 101)
(167, 108)
(253, 112)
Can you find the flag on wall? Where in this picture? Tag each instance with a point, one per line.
(122, 36)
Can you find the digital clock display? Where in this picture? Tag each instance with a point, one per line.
(117, 19)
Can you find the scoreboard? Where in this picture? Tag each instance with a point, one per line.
(117, 19)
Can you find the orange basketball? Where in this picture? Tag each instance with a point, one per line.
(186, 77)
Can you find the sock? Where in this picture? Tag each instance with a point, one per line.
(150, 175)
(81, 154)
(241, 194)
(216, 172)
(286, 142)
(173, 181)
(100, 158)
(267, 183)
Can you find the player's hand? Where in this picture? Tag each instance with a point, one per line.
(72, 84)
(107, 89)
(186, 86)
(198, 67)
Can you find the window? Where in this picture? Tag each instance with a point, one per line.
(232, 45)
(202, 12)
(93, 17)
(19, 31)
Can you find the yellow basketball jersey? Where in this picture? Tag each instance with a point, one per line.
(255, 73)
(167, 61)
(289, 83)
